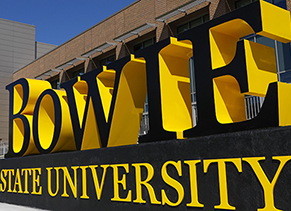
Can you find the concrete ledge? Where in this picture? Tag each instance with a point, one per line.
(11, 207)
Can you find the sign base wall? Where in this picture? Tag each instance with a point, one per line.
(244, 189)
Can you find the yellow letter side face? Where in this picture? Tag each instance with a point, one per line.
(259, 60)
(104, 107)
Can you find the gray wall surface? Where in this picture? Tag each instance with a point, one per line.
(17, 49)
(42, 48)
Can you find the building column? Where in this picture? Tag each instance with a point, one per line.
(88, 65)
(162, 31)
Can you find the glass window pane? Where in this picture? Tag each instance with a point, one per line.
(107, 60)
(144, 44)
(284, 54)
(241, 3)
(196, 22)
(55, 84)
(205, 18)
(148, 42)
(265, 41)
(182, 28)
(77, 72)
(251, 39)
(103, 62)
(280, 3)
(193, 23)
(286, 77)
(137, 47)
(110, 59)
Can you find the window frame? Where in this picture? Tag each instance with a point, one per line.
(188, 23)
(106, 59)
(153, 39)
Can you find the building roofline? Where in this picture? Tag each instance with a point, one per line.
(17, 22)
(81, 33)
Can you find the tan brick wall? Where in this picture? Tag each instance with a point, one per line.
(172, 4)
(218, 8)
(160, 7)
(162, 31)
(288, 3)
(140, 12)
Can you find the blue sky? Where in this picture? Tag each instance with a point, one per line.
(57, 21)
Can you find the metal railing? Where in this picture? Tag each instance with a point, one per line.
(253, 105)
(3, 149)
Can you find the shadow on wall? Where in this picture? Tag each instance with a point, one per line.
(123, 52)
(224, 6)
(64, 77)
(165, 33)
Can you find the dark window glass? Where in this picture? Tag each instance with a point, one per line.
(103, 62)
(196, 22)
(148, 43)
(55, 84)
(192, 23)
(284, 55)
(110, 59)
(205, 18)
(280, 3)
(265, 41)
(77, 73)
(251, 39)
(285, 77)
(137, 47)
(107, 60)
(144, 44)
(242, 3)
(182, 28)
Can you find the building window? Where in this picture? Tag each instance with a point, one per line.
(283, 61)
(144, 44)
(76, 73)
(192, 24)
(107, 60)
(144, 125)
(242, 3)
(279, 3)
(55, 84)
(282, 55)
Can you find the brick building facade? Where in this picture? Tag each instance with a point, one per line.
(124, 21)
(138, 25)
(127, 19)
